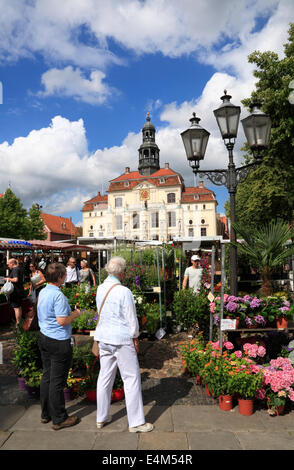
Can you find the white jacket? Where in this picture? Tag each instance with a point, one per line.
(118, 323)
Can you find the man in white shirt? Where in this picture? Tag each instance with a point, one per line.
(193, 274)
(72, 273)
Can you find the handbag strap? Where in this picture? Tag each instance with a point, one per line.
(104, 301)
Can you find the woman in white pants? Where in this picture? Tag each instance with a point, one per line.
(117, 332)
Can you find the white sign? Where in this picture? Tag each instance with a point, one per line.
(228, 324)
(210, 297)
(160, 333)
(157, 289)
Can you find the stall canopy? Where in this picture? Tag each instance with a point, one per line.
(7, 244)
(15, 245)
(46, 245)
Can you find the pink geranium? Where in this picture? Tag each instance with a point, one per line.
(238, 354)
(228, 345)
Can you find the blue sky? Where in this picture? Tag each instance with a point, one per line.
(78, 77)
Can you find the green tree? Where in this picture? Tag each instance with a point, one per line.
(13, 216)
(35, 224)
(266, 249)
(268, 192)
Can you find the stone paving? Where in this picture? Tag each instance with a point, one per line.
(184, 417)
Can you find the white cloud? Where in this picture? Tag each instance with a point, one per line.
(70, 82)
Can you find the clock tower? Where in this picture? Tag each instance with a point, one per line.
(148, 151)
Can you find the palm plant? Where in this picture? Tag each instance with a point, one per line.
(266, 249)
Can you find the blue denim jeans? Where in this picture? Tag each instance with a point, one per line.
(56, 361)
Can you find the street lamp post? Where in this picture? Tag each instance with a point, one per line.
(257, 131)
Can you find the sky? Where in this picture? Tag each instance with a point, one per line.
(79, 76)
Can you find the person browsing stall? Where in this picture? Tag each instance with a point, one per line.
(55, 318)
(117, 332)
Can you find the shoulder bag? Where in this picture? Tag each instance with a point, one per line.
(95, 347)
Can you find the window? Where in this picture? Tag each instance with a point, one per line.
(161, 180)
(202, 221)
(91, 234)
(91, 227)
(203, 232)
(127, 184)
(191, 232)
(136, 220)
(118, 202)
(154, 237)
(90, 214)
(100, 234)
(171, 219)
(154, 220)
(196, 207)
(204, 206)
(196, 196)
(119, 222)
(171, 198)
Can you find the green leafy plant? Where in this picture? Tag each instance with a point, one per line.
(190, 308)
(27, 355)
(86, 321)
(34, 378)
(152, 312)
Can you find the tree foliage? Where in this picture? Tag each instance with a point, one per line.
(268, 192)
(18, 223)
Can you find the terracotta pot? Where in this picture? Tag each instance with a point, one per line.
(117, 395)
(225, 402)
(198, 380)
(245, 406)
(281, 323)
(91, 395)
(279, 410)
(208, 392)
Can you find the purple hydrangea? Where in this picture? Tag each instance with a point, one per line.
(231, 306)
(137, 280)
(255, 302)
(248, 321)
(260, 320)
(216, 319)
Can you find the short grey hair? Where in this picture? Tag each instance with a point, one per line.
(116, 266)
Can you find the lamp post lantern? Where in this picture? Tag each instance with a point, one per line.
(257, 131)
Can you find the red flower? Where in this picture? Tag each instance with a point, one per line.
(76, 295)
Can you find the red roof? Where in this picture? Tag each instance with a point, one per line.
(134, 178)
(202, 194)
(100, 200)
(58, 224)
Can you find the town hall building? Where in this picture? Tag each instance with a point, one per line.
(151, 203)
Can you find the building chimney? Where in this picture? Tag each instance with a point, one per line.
(98, 194)
(127, 169)
(201, 184)
(166, 165)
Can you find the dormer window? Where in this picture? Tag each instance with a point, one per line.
(127, 184)
(196, 197)
(161, 180)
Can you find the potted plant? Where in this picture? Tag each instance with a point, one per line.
(117, 390)
(245, 383)
(33, 381)
(26, 354)
(278, 384)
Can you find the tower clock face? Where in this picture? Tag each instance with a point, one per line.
(144, 194)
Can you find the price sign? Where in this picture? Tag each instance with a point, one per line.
(228, 324)
(210, 297)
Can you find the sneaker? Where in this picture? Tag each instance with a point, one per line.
(147, 427)
(108, 420)
(70, 421)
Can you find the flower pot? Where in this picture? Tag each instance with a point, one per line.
(245, 406)
(33, 392)
(225, 402)
(67, 394)
(208, 392)
(117, 395)
(279, 411)
(91, 395)
(21, 383)
(198, 380)
(281, 323)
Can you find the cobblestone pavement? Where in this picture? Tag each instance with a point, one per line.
(158, 358)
